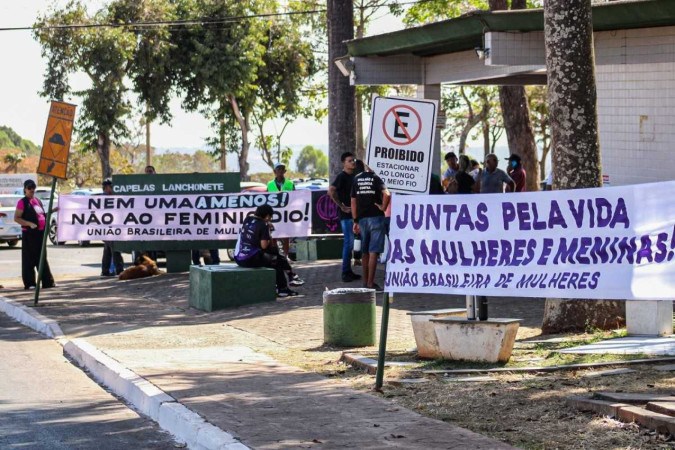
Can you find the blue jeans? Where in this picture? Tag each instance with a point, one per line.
(348, 231)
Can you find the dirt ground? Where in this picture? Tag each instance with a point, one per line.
(525, 410)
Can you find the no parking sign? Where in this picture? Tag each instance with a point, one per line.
(401, 143)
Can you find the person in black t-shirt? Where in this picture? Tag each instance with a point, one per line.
(465, 182)
(340, 191)
(370, 198)
(255, 248)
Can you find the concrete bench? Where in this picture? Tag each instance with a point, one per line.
(476, 340)
(313, 249)
(228, 285)
(425, 334)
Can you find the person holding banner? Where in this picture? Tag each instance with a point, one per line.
(340, 192)
(493, 179)
(30, 214)
(255, 248)
(108, 253)
(369, 200)
(517, 173)
(281, 184)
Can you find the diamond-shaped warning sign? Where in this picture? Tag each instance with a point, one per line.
(56, 144)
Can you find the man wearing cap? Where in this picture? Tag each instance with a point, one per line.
(30, 214)
(517, 173)
(108, 253)
(281, 184)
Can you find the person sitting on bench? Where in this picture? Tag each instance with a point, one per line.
(255, 248)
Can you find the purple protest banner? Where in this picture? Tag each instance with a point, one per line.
(603, 243)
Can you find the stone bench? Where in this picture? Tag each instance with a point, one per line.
(228, 285)
(425, 334)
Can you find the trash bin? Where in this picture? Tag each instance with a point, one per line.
(349, 317)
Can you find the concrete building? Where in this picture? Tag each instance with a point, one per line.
(635, 69)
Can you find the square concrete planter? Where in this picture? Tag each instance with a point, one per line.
(649, 317)
(425, 334)
(472, 340)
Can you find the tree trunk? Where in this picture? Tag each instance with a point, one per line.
(103, 150)
(341, 96)
(243, 120)
(486, 136)
(223, 147)
(516, 113)
(148, 148)
(570, 65)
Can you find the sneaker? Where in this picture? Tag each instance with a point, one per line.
(357, 262)
(109, 274)
(27, 288)
(282, 293)
(296, 281)
(355, 276)
(348, 277)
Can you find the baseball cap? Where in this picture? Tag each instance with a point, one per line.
(279, 164)
(513, 157)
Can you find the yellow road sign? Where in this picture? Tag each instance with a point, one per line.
(56, 144)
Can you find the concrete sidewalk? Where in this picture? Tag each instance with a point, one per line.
(198, 359)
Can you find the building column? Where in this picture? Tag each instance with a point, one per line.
(433, 92)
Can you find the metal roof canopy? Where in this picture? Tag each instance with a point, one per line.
(466, 32)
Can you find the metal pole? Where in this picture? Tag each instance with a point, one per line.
(43, 252)
(379, 378)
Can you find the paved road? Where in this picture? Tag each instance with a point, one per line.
(65, 261)
(47, 403)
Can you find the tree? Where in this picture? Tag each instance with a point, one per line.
(312, 162)
(151, 69)
(536, 96)
(103, 54)
(570, 65)
(217, 66)
(465, 108)
(341, 96)
(287, 65)
(13, 159)
(515, 109)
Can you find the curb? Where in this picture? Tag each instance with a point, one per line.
(185, 425)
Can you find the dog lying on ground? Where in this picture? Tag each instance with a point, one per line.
(145, 267)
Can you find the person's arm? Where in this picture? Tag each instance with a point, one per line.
(510, 184)
(266, 236)
(18, 213)
(356, 228)
(332, 193)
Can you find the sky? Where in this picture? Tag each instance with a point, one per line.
(26, 112)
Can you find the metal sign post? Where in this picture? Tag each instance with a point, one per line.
(379, 378)
(54, 163)
(43, 251)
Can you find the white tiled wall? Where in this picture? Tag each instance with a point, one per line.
(636, 104)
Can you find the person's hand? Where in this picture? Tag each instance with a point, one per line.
(345, 209)
(32, 226)
(56, 209)
(356, 229)
(379, 206)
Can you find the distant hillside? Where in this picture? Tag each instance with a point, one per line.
(10, 140)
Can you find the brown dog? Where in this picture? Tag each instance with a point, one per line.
(145, 267)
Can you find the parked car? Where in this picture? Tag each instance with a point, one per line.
(10, 231)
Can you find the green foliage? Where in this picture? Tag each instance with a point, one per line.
(10, 139)
(312, 162)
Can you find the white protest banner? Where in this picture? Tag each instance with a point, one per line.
(401, 142)
(178, 217)
(604, 243)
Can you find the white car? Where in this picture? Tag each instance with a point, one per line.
(10, 231)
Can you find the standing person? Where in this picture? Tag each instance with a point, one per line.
(465, 182)
(108, 252)
(475, 169)
(370, 198)
(492, 178)
(255, 249)
(340, 192)
(281, 184)
(517, 173)
(30, 214)
(449, 174)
